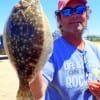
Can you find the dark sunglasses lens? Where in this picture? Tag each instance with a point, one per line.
(66, 12)
(78, 10)
(81, 9)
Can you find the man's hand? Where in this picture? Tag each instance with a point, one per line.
(38, 87)
(94, 87)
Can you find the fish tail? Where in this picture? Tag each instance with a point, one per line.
(24, 92)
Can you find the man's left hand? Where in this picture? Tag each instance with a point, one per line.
(94, 87)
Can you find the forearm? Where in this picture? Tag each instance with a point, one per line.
(39, 93)
(39, 98)
(98, 98)
(38, 87)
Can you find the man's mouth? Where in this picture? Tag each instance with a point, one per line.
(75, 22)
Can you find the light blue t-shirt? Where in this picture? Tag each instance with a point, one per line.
(69, 69)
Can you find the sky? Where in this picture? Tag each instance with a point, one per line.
(49, 7)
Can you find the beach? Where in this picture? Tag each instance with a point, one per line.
(97, 44)
(8, 81)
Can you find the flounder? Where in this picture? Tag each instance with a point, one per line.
(28, 43)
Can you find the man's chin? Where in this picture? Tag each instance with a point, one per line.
(80, 28)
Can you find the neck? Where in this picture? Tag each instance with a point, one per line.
(76, 41)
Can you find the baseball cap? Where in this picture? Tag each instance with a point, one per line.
(63, 3)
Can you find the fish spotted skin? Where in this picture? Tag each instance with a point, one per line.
(28, 43)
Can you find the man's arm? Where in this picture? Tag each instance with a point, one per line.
(38, 87)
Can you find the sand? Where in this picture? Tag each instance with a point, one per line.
(97, 44)
(8, 81)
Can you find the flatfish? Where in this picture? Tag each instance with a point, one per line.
(28, 43)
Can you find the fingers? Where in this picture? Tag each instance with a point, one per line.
(94, 87)
(94, 84)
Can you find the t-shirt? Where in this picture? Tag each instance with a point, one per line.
(69, 69)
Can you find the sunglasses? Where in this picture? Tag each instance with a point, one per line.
(69, 11)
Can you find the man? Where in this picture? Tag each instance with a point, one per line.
(70, 73)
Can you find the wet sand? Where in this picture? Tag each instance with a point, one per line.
(8, 81)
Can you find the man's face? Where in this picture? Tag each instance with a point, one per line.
(76, 22)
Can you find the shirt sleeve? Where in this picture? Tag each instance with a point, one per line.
(48, 71)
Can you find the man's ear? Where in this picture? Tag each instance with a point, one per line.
(88, 12)
(87, 15)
